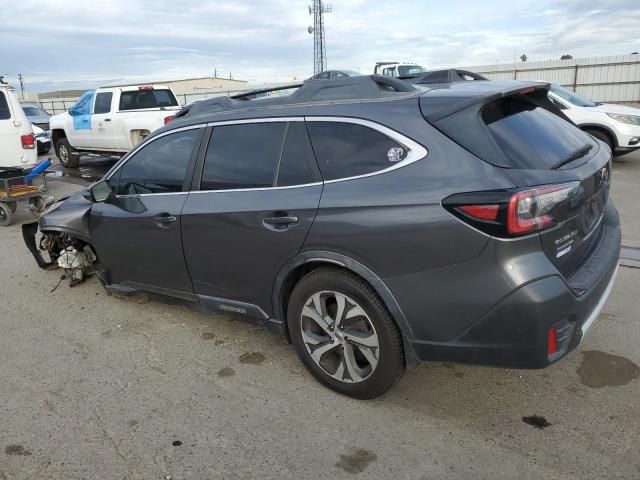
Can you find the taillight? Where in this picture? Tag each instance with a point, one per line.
(481, 212)
(168, 119)
(510, 213)
(28, 140)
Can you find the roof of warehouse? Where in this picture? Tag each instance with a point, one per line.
(164, 82)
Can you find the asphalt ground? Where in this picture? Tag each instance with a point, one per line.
(93, 386)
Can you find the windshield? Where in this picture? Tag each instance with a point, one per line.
(410, 70)
(572, 97)
(34, 112)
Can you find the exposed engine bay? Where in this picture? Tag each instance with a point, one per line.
(74, 256)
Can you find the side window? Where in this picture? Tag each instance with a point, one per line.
(5, 113)
(103, 102)
(243, 156)
(160, 166)
(298, 164)
(347, 150)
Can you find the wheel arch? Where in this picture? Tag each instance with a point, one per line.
(305, 262)
(57, 134)
(602, 128)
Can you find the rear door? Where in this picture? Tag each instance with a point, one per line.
(137, 234)
(10, 144)
(258, 196)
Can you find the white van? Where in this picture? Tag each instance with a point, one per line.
(17, 141)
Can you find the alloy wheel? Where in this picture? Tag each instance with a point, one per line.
(64, 154)
(339, 336)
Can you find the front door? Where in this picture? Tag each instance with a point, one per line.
(137, 234)
(259, 194)
(102, 132)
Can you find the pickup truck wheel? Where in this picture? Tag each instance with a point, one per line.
(66, 155)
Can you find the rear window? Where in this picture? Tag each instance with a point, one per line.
(347, 150)
(138, 99)
(5, 113)
(530, 136)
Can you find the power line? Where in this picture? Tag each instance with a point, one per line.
(21, 85)
(318, 9)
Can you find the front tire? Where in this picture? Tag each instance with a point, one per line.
(603, 136)
(67, 154)
(344, 334)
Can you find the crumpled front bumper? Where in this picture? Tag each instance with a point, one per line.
(29, 232)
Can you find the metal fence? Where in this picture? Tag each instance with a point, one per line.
(614, 79)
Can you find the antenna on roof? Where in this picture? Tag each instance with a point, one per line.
(318, 9)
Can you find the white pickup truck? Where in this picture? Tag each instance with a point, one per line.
(110, 121)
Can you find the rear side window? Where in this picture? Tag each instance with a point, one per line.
(298, 165)
(103, 102)
(160, 166)
(137, 99)
(5, 113)
(347, 150)
(531, 137)
(243, 156)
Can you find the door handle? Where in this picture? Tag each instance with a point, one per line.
(107, 119)
(280, 223)
(164, 220)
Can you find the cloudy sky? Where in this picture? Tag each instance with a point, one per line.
(61, 44)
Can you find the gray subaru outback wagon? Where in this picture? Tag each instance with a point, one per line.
(374, 222)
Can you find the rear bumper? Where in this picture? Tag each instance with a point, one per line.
(513, 333)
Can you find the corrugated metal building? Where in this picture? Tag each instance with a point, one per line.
(614, 79)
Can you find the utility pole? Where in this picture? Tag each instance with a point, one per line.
(318, 9)
(21, 85)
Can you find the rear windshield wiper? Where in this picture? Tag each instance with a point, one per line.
(581, 152)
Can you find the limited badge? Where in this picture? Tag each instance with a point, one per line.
(395, 154)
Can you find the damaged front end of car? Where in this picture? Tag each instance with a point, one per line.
(65, 240)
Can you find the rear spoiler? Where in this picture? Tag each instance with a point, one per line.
(440, 102)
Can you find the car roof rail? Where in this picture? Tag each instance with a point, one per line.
(372, 87)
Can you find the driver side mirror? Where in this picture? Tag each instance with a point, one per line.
(99, 192)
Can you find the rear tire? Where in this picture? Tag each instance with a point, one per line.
(6, 215)
(67, 154)
(603, 136)
(344, 334)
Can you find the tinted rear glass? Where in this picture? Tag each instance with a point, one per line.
(243, 156)
(347, 150)
(531, 137)
(137, 99)
(5, 114)
(298, 165)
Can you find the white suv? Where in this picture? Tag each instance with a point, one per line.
(17, 142)
(616, 125)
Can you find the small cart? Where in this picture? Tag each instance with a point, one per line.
(16, 185)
